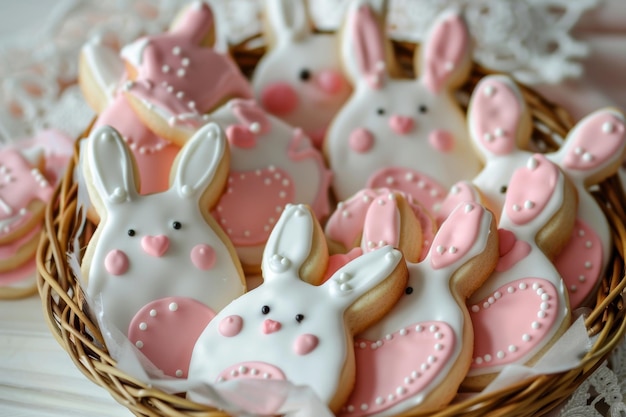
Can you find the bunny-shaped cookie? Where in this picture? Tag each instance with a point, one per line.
(147, 247)
(175, 78)
(299, 78)
(272, 164)
(523, 307)
(288, 328)
(399, 133)
(499, 124)
(415, 358)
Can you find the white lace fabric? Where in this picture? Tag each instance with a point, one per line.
(531, 39)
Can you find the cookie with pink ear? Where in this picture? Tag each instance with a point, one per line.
(499, 124)
(289, 329)
(405, 134)
(174, 78)
(415, 358)
(299, 79)
(272, 164)
(524, 307)
(147, 247)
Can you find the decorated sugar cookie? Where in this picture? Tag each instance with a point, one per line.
(416, 357)
(523, 306)
(406, 134)
(288, 327)
(272, 165)
(499, 123)
(166, 244)
(176, 77)
(299, 78)
(407, 224)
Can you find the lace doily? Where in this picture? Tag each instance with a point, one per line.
(529, 38)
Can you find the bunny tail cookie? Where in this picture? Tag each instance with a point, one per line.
(147, 247)
(289, 329)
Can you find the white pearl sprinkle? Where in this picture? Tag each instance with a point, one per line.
(608, 127)
(489, 90)
(173, 306)
(139, 344)
(153, 313)
(143, 326)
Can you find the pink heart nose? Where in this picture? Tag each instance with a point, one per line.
(279, 98)
(401, 124)
(155, 245)
(270, 326)
(330, 81)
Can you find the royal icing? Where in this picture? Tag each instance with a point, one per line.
(519, 310)
(21, 184)
(179, 78)
(147, 247)
(299, 78)
(277, 165)
(498, 124)
(399, 133)
(411, 351)
(286, 325)
(154, 155)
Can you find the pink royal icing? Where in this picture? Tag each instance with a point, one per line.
(399, 366)
(172, 66)
(512, 250)
(442, 140)
(279, 98)
(452, 243)
(361, 140)
(203, 256)
(369, 49)
(155, 245)
(401, 125)
(230, 326)
(173, 318)
(116, 262)
(521, 314)
(251, 370)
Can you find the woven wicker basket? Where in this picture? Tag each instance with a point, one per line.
(66, 314)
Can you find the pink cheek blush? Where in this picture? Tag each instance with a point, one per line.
(203, 257)
(330, 81)
(279, 98)
(441, 140)
(230, 326)
(361, 140)
(116, 262)
(305, 343)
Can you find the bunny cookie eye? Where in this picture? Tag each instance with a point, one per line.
(305, 74)
(503, 189)
(131, 232)
(422, 109)
(176, 225)
(299, 318)
(380, 111)
(265, 309)
(408, 290)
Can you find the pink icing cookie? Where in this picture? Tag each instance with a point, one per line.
(272, 164)
(523, 307)
(290, 329)
(147, 247)
(404, 134)
(175, 79)
(499, 124)
(158, 323)
(24, 191)
(416, 357)
(299, 78)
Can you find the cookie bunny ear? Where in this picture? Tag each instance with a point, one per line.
(199, 162)
(498, 117)
(445, 56)
(109, 168)
(594, 149)
(195, 23)
(362, 274)
(363, 46)
(288, 20)
(290, 245)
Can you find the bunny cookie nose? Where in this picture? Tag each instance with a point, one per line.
(401, 124)
(270, 326)
(155, 245)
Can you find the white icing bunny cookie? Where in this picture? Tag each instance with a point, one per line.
(272, 164)
(407, 134)
(147, 247)
(288, 328)
(523, 307)
(499, 123)
(300, 78)
(416, 357)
